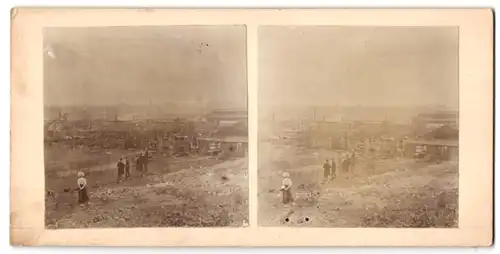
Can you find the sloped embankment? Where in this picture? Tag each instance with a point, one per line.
(203, 197)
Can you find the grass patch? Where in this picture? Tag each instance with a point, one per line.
(417, 211)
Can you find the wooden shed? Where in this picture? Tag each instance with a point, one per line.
(445, 149)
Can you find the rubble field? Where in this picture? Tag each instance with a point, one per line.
(176, 192)
(394, 193)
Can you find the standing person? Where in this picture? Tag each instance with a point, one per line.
(345, 164)
(326, 170)
(446, 155)
(145, 161)
(82, 188)
(352, 160)
(333, 169)
(121, 168)
(138, 165)
(400, 149)
(127, 168)
(286, 188)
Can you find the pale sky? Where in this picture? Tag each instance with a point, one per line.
(107, 65)
(379, 66)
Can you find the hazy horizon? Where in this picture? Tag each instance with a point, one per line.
(349, 66)
(140, 104)
(111, 65)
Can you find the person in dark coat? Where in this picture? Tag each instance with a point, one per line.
(127, 168)
(333, 169)
(145, 161)
(345, 164)
(326, 170)
(138, 162)
(121, 169)
(352, 160)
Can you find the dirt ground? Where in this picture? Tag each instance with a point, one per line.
(176, 192)
(395, 193)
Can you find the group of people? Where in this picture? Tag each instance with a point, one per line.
(123, 169)
(141, 161)
(347, 161)
(329, 170)
(141, 164)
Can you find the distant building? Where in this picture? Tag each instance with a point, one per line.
(53, 129)
(127, 117)
(426, 122)
(437, 134)
(232, 145)
(227, 115)
(230, 135)
(445, 149)
(111, 113)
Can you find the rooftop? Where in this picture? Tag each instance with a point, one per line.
(230, 139)
(453, 143)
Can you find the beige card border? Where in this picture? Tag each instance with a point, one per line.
(476, 134)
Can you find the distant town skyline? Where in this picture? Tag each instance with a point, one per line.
(133, 65)
(214, 104)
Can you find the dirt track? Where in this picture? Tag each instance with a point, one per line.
(179, 192)
(398, 193)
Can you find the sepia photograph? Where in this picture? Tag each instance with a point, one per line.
(251, 127)
(358, 126)
(145, 126)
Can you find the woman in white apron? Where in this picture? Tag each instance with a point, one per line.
(286, 188)
(83, 196)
